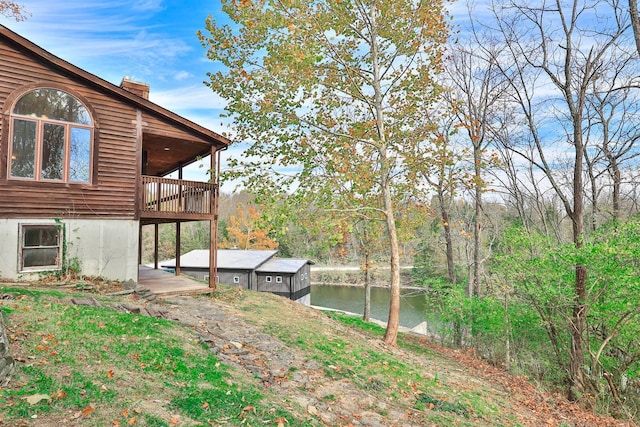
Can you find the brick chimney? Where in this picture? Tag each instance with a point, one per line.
(137, 88)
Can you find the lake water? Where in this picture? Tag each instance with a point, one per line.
(351, 298)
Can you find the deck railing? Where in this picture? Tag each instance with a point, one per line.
(175, 196)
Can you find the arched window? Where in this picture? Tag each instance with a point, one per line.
(51, 138)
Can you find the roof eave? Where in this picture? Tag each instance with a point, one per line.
(96, 81)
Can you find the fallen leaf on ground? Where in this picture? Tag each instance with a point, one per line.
(87, 411)
(60, 394)
(34, 399)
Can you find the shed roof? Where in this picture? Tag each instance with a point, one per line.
(283, 265)
(230, 259)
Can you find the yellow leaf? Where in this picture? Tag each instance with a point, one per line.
(34, 399)
(312, 410)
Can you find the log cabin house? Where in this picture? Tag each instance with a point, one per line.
(84, 165)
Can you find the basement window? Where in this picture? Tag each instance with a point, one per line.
(40, 247)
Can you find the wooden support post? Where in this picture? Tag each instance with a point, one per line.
(155, 246)
(213, 223)
(178, 248)
(180, 195)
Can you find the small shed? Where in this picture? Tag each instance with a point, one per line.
(288, 277)
(258, 270)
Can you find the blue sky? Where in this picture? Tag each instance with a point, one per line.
(153, 41)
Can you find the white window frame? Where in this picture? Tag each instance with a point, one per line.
(278, 279)
(23, 247)
(268, 279)
(236, 279)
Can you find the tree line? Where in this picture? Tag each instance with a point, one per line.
(500, 159)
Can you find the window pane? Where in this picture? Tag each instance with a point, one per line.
(40, 236)
(42, 257)
(80, 155)
(23, 149)
(52, 151)
(54, 105)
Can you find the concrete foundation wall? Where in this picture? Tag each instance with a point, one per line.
(306, 300)
(107, 248)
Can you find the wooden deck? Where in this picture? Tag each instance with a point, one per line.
(167, 199)
(162, 283)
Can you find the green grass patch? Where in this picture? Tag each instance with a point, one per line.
(96, 366)
(37, 294)
(357, 322)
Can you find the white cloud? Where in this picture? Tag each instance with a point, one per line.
(193, 97)
(182, 75)
(147, 5)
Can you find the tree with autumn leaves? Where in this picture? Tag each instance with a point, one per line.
(331, 96)
(244, 231)
(12, 10)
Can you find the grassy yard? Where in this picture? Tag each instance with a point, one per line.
(96, 366)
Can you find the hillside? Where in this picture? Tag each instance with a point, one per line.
(243, 358)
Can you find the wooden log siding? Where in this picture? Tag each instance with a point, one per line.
(111, 193)
(116, 151)
(175, 198)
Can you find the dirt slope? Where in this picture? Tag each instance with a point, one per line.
(245, 330)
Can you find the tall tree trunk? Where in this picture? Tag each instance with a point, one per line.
(477, 159)
(635, 22)
(367, 286)
(444, 213)
(616, 193)
(393, 322)
(507, 333)
(594, 196)
(579, 316)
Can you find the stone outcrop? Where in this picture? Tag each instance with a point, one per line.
(139, 291)
(147, 310)
(7, 363)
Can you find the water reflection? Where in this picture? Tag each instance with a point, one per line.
(351, 298)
